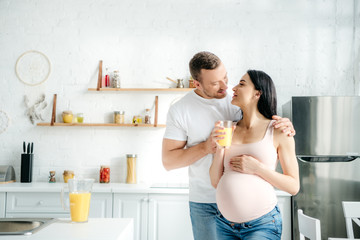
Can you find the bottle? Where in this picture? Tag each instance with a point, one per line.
(131, 168)
(147, 116)
(107, 78)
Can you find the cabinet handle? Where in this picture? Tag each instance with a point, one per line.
(145, 199)
(41, 202)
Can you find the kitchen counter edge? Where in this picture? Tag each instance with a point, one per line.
(100, 188)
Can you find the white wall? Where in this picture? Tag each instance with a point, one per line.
(308, 47)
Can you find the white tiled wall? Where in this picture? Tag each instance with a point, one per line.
(308, 47)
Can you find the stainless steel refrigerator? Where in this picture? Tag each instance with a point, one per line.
(328, 150)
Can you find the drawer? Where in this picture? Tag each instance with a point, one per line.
(34, 202)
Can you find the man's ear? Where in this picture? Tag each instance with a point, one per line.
(197, 84)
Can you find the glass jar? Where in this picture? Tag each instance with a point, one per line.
(80, 117)
(122, 117)
(117, 117)
(147, 116)
(104, 174)
(131, 168)
(67, 116)
(68, 175)
(116, 79)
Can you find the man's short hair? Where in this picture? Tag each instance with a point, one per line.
(203, 60)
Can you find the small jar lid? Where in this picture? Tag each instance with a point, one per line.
(68, 172)
(104, 166)
(116, 112)
(67, 112)
(122, 112)
(131, 155)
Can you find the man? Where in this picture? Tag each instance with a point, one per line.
(188, 139)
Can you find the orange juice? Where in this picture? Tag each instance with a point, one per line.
(79, 206)
(226, 141)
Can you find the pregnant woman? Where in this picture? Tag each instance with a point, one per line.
(244, 175)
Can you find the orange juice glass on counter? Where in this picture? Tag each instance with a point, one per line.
(227, 137)
(79, 198)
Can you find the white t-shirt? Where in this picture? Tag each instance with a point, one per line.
(192, 119)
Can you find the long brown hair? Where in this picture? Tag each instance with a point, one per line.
(268, 102)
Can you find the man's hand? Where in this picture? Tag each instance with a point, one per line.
(285, 125)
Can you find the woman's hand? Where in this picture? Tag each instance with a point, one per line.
(285, 125)
(215, 136)
(245, 164)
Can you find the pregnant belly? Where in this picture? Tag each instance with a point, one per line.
(244, 197)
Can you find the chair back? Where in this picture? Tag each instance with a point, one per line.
(308, 227)
(351, 213)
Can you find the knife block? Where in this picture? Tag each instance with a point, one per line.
(26, 167)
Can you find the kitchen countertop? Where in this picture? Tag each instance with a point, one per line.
(94, 229)
(172, 188)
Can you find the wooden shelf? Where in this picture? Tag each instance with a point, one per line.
(99, 125)
(142, 89)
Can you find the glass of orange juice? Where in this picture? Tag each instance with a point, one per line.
(79, 198)
(227, 137)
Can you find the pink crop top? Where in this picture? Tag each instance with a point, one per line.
(245, 197)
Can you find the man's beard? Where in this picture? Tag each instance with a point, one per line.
(206, 93)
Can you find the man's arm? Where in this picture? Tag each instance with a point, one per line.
(175, 155)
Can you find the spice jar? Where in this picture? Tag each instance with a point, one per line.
(131, 168)
(52, 178)
(191, 83)
(104, 174)
(67, 116)
(68, 175)
(147, 116)
(116, 79)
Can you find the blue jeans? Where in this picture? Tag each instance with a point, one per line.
(268, 227)
(203, 220)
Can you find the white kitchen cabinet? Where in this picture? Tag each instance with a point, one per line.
(169, 217)
(48, 204)
(133, 205)
(284, 203)
(2, 204)
(101, 205)
(156, 216)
